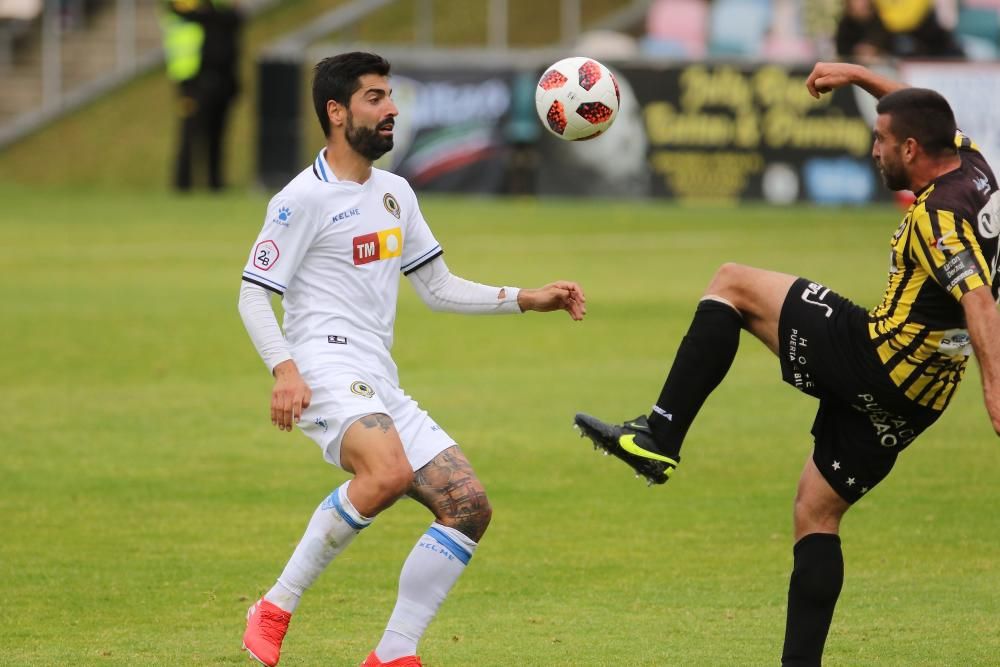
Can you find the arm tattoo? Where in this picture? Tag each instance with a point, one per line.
(377, 420)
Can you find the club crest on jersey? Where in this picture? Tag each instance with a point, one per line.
(362, 389)
(391, 204)
(265, 255)
(378, 245)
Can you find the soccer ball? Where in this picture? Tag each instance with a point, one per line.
(577, 98)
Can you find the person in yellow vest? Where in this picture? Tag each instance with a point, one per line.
(202, 45)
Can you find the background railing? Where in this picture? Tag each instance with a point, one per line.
(57, 55)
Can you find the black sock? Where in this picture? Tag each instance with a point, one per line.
(813, 590)
(703, 359)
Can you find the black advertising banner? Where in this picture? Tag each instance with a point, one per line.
(724, 133)
(718, 133)
(450, 135)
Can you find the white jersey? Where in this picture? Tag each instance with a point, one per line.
(334, 250)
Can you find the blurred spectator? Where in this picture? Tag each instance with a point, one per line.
(915, 29)
(904, 28)
(202, 43)
(860, 33)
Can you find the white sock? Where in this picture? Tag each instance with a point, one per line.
(429, 572)
(333, 526)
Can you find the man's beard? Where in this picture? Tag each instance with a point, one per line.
(893, 175)
(367, 141)
(894, 180)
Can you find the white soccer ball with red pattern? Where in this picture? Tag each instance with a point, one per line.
(577, 98)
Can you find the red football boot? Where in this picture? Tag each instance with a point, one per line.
(406, 661)
(266, 627)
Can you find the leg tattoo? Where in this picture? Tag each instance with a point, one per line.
(377, 420)
(449, 488)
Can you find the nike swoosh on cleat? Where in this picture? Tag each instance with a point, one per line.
(628, 443)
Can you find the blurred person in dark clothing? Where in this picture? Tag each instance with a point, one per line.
(202, 43)
(860, 33)
(901, 28)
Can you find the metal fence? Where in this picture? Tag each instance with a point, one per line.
(73, 51)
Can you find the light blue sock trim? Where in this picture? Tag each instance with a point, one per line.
(353, 519)
(457, 550)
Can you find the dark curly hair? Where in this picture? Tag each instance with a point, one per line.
(922, 114)
(337, 78)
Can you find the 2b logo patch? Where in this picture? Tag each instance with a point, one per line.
(265, 255)
(379, 245)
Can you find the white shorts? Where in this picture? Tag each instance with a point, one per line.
(341, 396)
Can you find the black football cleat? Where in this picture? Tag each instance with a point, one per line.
(632, 442)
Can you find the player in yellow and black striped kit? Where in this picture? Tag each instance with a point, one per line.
(945, 247)
(881, 376)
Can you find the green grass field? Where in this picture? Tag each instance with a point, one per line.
(146, 499)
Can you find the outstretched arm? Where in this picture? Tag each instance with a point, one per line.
(826, 77)
(983, 322)
(444, 291)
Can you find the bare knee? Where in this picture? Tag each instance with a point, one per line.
(728, 282)
(818, 507)
(380, 488)
(813, 516)
(393, 483)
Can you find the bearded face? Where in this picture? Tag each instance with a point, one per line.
(370, 142)
(887, 153)
(890, 165)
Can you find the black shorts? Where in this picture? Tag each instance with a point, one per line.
(864, 420)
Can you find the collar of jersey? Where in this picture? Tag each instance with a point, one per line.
(325, 174)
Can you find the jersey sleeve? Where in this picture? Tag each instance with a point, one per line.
(286, 236)
(419, 244)
(946, 247)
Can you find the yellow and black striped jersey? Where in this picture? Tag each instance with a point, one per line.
(945, 246)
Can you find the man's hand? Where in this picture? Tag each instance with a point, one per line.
(290, 396)
(827, 77)
(560, 295)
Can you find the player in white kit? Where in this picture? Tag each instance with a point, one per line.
(333, 244)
